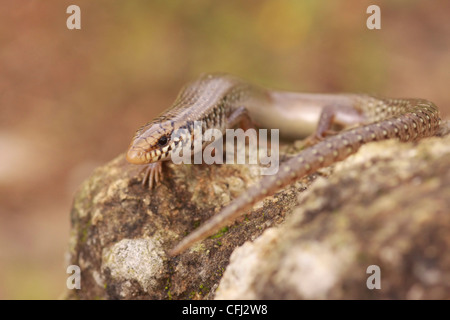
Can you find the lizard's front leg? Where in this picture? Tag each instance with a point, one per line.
(153, 174)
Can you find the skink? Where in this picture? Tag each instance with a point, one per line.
(223, 101)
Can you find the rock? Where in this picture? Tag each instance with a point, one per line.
(121, 231)
(387, 206)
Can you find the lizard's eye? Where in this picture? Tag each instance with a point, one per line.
(163, 141)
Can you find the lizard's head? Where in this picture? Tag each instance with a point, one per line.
(152, 143)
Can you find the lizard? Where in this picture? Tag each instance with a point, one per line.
(223, 101)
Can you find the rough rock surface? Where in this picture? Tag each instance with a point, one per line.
(388, 205)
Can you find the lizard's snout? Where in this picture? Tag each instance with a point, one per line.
(136, 156)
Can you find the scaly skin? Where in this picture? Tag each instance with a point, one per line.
(221, 101)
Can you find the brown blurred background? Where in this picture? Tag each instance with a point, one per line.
(70, 100)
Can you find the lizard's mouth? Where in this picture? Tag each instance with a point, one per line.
(145, 149)
(138, 154)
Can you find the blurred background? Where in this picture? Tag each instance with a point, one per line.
(70, 100)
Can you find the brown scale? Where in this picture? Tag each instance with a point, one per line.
(405, 119)
(221, 101)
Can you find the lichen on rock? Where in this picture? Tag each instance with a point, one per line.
(386, 205)
(140, 260)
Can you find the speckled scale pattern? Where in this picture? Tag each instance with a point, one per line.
(210, 99)
(405, 119)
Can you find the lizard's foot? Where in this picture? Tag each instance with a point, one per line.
(153, 174)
